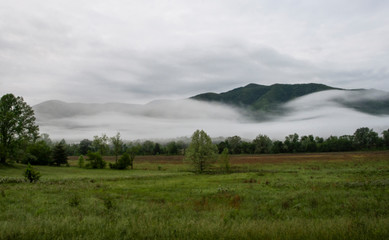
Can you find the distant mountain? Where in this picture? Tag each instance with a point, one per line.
(262, 98)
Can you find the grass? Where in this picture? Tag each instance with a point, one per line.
(318, 196)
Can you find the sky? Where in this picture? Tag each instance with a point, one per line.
(96, 51)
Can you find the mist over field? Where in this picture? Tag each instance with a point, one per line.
(321, 114)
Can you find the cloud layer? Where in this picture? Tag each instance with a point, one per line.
(138, 51)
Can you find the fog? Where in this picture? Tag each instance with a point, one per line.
(321, 114)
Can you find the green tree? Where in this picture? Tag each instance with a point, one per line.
(100, 144)
(17, 124)
(38, 153)
(95, 160)
(81, 161)
(262, 144)
(385, 135)
(224, 160)
(85, 146)
(201, 152)
(59, 154)
(234, 144)
(31, 174)
(124, 161)
(365, 138)
(117, 145)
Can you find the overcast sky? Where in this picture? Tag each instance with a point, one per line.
(137, 51)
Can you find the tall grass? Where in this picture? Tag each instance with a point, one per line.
(299, 200)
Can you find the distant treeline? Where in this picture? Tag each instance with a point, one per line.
(41, 151)
(362, 139)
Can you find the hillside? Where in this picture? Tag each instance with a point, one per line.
(260, 97)
(272, 98)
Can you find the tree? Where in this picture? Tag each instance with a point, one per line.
(59, 154)
(201, 152)
(124, 161)
(95, 160)
(385, 135)
(100, 144)
(234, 144)
(81, 161)
(17, 124)
(365, 138)
(262, 144)
(85, 146)
(31, 174)
(38, 153)
(117, 145)
(224, 160)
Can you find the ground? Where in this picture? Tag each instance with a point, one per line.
(291, 196)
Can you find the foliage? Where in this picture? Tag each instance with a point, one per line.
(224, 160)
(100, 144)
(17, 124)
(117, 145)
(31, 174)
(38, 153)
(201, 152)
(124, 161)
(59, 154)
(85, 146)
(81, 161)
(262, 144)
(95, 160)
(365, 138)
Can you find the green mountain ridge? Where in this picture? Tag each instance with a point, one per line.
(261, 98)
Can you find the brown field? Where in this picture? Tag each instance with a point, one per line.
(265, 158)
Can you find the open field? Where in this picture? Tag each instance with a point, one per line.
(293, 196)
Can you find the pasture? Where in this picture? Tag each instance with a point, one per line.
(285, 196)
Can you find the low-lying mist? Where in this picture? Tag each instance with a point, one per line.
(320, 114)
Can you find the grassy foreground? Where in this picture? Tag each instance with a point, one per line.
(326, 197)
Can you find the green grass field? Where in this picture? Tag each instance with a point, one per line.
(322, 196)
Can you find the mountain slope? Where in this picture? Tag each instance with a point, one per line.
(260, 97)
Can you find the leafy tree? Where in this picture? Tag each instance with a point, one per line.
(17, 124)
(385, 135)
(292, 143)
(38, 153)
(308, 144)
(262, 144)
(147, 148)
(100, 144)
(59, 154)
(85, 146)
(172, 148)
(277, 147)
(365, 138)
(95, 160)
(81, 161)
(117, 145)
(201, 152)
(157, 149)
(234, 144)
(124, 161)
(224, 160)
(31, 174)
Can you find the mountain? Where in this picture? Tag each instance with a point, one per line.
(260, 98)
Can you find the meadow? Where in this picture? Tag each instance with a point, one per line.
(284, 196)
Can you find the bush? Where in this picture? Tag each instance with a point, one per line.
(95, 160)
(81, 161)
(124, 161)
(31, 175)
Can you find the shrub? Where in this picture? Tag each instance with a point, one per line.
(31, 175)
(95, 160)
(124, 161)
(81, 161)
